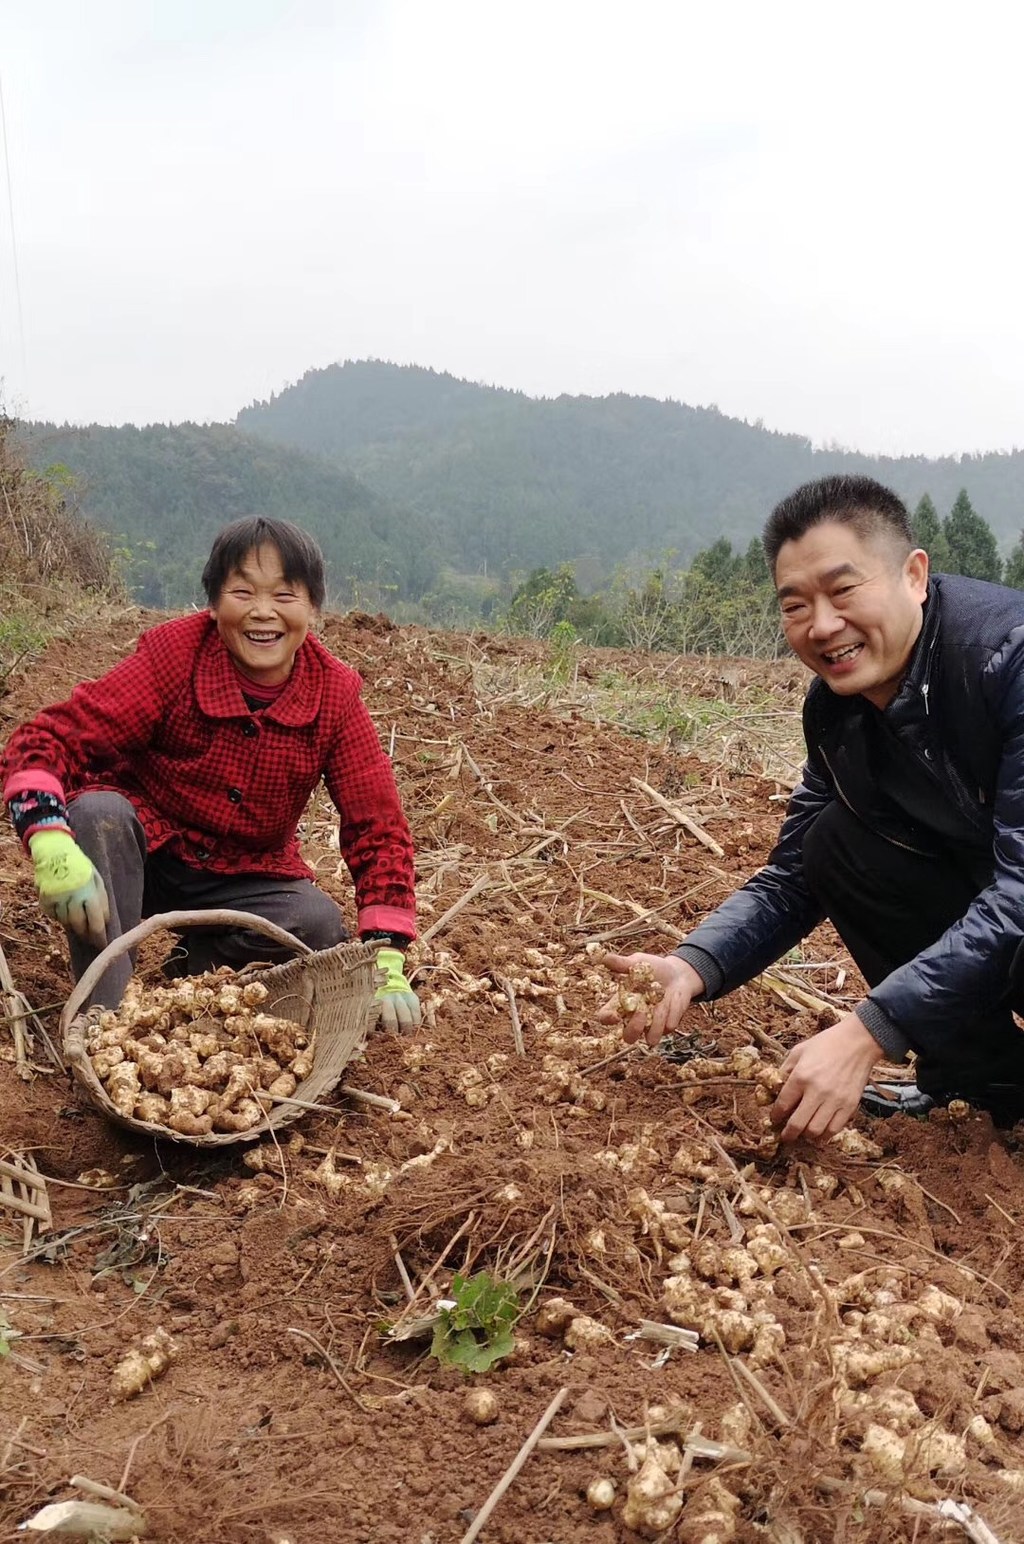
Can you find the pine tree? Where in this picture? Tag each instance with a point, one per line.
(972, 546)
(928, 533)
(755, 564)
(1014, 573)
(718, 563)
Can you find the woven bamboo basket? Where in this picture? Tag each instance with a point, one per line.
(329, 993)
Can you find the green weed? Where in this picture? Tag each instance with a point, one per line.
(476, 1331)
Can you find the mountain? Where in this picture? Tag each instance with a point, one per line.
(415, 481)
(163, 492)
(510, 481)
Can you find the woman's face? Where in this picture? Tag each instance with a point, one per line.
(262, 617)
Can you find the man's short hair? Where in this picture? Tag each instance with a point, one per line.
(302, 562)
(870, 508)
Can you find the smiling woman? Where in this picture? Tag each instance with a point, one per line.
(177, 781)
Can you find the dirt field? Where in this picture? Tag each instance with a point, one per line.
(861, 1352)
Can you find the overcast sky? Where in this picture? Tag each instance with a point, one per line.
(805, 213)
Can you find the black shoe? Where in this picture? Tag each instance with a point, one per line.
(885, 1099)
(1003, 1101)
(684, 1048)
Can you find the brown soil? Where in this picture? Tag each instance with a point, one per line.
(288, 1414)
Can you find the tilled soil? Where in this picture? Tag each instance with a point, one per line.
(859, 1307)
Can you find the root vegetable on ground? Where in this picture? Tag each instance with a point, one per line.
(481, 1406)
(142, 1364)
(653, 1500)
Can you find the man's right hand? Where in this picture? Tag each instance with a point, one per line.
(681, 985)
(70, 889)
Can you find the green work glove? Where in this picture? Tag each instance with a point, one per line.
(400, 1007)
(69, 887)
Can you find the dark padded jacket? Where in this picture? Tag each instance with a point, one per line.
(960, 713)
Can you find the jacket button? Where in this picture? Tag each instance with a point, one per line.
(250, 730)
(235, 795)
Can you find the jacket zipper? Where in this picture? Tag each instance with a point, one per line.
(917, 851)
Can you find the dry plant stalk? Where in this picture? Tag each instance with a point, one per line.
(514, 1467)
(23, 1190)
(686, 821)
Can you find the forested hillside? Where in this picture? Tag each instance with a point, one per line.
(162, 492)
(423, 488)
(516, 481)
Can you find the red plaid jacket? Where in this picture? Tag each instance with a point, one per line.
(223, 788)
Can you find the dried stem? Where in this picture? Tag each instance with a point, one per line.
(514, 1467)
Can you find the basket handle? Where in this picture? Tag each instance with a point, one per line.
(170, 920)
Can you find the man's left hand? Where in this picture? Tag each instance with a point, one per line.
(826, 1076)
(400, 1007)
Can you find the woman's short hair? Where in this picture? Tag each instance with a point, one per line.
(302, 562)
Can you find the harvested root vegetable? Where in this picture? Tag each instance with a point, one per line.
(106, 1059)
(653, 1500)
(554, 1317)
(584, 1333)
(481, 1406)
(154, 1108)
(601, 1495)
(142, 1364)
(199, 1056)
(86, 1520)
(283, 1086)
(711, 1516)
(246, 1114)
(124, 1087)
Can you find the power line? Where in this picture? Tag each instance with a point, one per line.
(14, 242)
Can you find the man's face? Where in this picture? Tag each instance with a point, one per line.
(851, 608)
(262, 618)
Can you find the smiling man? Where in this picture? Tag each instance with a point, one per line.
(177, 780)
(906, 830)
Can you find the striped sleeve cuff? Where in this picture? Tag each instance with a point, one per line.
(33, 810)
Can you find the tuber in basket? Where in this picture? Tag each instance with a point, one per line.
(329, 993)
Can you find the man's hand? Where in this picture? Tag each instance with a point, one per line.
(400, 1007)
(826, 1076)
(69, 888)
(681, 985)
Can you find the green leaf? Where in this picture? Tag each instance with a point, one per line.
(476, 1331)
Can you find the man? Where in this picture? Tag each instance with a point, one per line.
(906, 831)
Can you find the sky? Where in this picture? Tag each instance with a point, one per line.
(806, 214)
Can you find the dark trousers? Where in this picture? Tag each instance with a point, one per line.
(887, 904)
(140, 885)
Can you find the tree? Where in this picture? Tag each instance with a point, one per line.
(542, 600)
(1014, 574)
(648, 614)
(718, 563)
(928, 533)
(972, 546)
(755, 564)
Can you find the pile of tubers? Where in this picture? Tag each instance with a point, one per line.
(198, 1056)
